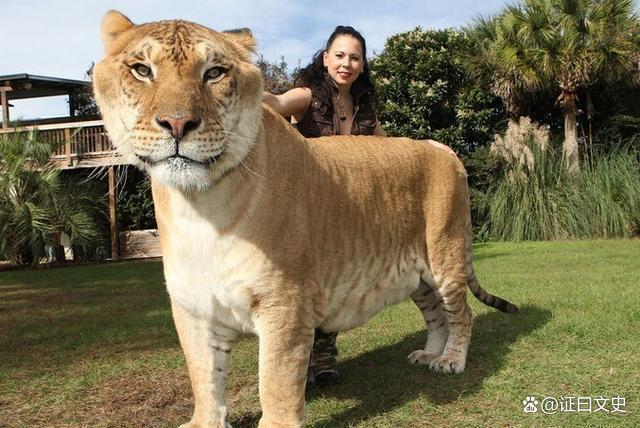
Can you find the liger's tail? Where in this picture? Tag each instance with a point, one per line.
(486, 298)
(489, 299)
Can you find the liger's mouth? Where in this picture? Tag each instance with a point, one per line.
(173, 159)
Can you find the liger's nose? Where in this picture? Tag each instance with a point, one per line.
(178, 127)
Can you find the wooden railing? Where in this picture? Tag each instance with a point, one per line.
(79, 144)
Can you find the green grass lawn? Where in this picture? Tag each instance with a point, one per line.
(94, 346)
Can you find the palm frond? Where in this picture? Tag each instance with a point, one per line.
(32, 198)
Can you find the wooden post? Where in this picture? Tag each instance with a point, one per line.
(67, 146)
(58, 249)
(5, 106)
(113, 220)
(72, 105)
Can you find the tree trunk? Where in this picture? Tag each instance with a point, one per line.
(570, 146)
(58, 249)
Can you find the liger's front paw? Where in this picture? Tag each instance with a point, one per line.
(422, 357)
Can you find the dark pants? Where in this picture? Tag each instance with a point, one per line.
(323, 356)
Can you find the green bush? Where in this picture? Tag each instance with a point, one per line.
(483, 169)
(424, 92)
(135, 204)
(546, 203)
(609, 201)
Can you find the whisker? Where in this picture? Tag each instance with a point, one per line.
(121, 177)
(97, 172)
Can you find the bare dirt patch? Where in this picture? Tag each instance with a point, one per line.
(158, 399)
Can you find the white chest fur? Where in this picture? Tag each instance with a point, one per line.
(209, 273)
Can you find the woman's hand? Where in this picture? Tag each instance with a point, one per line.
(442, 147)
(294, 102)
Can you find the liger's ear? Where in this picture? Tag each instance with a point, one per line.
(243, 37)
(113, 25)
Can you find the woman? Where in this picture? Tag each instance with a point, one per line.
(333, 96)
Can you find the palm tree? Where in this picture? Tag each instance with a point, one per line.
(36, 204)
(558, 45)
(483, 63)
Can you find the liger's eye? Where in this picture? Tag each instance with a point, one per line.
(141, 71)
(215, 74)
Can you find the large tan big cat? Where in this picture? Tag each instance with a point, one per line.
(264, 231)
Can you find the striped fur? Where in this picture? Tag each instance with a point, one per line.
(265, 232)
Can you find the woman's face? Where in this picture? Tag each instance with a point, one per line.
(344, 60)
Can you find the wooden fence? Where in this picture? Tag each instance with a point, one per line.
(78, 144)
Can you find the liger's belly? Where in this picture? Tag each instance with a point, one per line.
(364, 288)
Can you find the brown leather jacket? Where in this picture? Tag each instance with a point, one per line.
(321, 119)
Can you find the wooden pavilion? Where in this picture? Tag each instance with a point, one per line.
(82, 143)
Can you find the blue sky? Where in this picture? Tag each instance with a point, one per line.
(60, 38)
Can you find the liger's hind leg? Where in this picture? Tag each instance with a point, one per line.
(438, 330)
(459, 320)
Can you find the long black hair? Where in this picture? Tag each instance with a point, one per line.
(315, 72)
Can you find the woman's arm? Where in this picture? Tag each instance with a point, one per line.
(294, 102)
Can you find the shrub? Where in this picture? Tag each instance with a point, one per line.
(424, 92)
(547, 203)
(135, 204)
(608, 203)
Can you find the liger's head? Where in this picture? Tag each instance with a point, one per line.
(179, 100)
